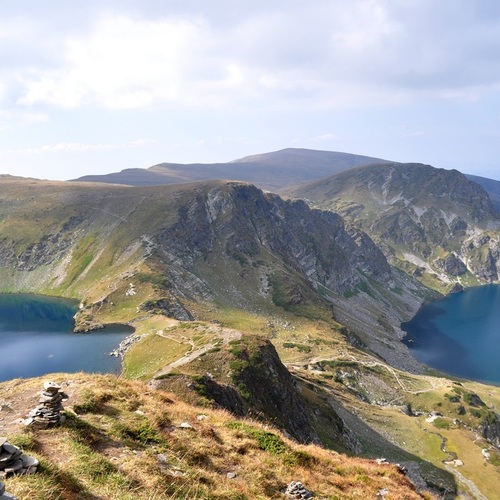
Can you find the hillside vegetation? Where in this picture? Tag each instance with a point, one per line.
(285, 317)
(122, 440)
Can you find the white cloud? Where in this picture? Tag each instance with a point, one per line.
(329, 53)
(85, 78)
(122, 63)
(79, 147)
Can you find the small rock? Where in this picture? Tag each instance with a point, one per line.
(296, 490)
(8, 496)
(175, 472)
(201, 417)
(402, 468)
(185, 425)
(161, 458)
(14, 466)
(29, 461)
(382, 493)
(231, 475)
(51, 387)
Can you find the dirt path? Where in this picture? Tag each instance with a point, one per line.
(370, 364)
(224, 334)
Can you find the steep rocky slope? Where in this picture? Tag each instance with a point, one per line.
(431, 222)
(491, 186)
(117, 248)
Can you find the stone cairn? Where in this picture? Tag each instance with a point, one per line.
(296, 490)
(48, 411)
(4, 495)
(13, 461)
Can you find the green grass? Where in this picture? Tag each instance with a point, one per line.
(299, 347)
(267, 441)
(139, 363)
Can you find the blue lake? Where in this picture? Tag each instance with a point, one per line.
(36, 338)
(459, 334)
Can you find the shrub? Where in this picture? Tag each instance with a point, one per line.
(441, 423)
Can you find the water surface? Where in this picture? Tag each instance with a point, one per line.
(36, 338)
(459, 334)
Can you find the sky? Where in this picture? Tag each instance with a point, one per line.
(98, 86)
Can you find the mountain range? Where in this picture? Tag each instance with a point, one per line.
(283, 309)
(269, 171)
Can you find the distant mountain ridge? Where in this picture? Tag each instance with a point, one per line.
(271, 171)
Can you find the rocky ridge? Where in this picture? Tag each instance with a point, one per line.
(219, 241)
(428, 221)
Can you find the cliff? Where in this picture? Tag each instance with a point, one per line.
(433, 223)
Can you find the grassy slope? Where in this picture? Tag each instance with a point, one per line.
(363, 384)
(124, 441)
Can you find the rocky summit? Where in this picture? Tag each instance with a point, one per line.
(433, 223)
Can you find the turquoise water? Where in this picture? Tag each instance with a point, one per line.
(459, 334)
(36, 338)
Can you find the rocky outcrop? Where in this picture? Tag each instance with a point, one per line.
(171, 308)
(246, 222)
(451, 265)
(268, 389)
(490, 430)
(483, 256)
(265, 382)
(50, 247)
(434, 219)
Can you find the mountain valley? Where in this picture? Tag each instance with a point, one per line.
(279, 310)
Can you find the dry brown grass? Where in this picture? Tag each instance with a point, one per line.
(117, 429)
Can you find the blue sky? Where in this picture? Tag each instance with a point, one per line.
(98, 86)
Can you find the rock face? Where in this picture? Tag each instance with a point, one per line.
(232, 243)
(434, 219)
(168, 307)
(244, 222)
(261, 387)
(491, 432)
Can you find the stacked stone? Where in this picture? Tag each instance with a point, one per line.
(14, 461)
(4, 495)
(48, 411)
(296, 490)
